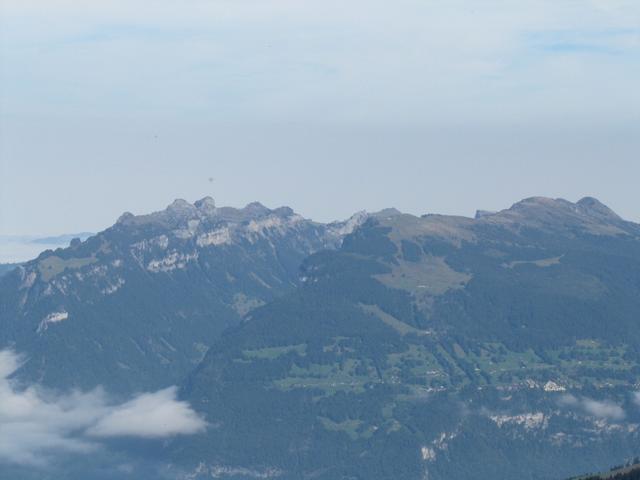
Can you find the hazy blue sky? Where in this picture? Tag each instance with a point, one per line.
(327, 106)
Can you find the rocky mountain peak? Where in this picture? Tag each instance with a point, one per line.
(283, 212)
(256, 209)
(181, 208)
(343, 228)
(536, 207)
(593, 207)
(125, 217)
(206, 205)
(560, 215)
(543, 207)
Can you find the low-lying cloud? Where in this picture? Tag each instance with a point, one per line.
(605, 409)
(150, 415)
(36, 423)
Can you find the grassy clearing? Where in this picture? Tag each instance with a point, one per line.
(430, 277)
(348, 375)
(271, 353)
(428, 366)
(398, 325)
(52, 266)
(350, 427)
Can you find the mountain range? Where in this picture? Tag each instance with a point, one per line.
(138, 304)
(385, 346)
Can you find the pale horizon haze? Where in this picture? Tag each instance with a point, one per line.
(327, 107)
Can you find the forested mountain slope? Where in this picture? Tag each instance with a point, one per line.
(437, 347)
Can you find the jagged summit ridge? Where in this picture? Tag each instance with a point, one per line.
(588, 210)
(181, 211)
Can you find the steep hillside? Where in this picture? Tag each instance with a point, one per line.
(136, 306)
(6, 268)
(436, 347)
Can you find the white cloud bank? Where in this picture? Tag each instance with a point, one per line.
(605, 409)
(35, 423)
(150, 415)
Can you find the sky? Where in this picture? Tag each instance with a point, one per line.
(327, 106)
